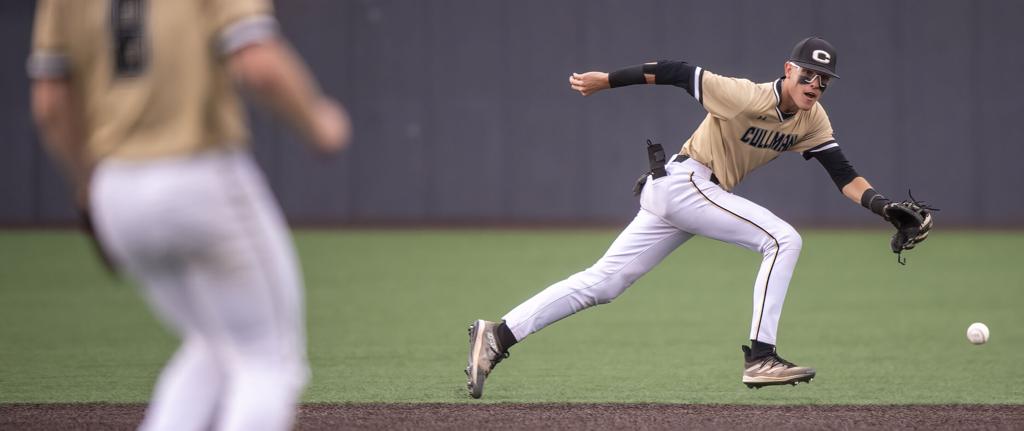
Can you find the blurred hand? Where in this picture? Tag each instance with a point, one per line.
(589, 83)
(333, 127)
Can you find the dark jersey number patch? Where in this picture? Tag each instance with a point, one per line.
(127, 22)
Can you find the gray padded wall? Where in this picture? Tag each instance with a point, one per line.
(463, 112)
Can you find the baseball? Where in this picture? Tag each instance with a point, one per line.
(977, 333)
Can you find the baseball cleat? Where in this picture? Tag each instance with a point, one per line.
(772, 370)
(484, 354)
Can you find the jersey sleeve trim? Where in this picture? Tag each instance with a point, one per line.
(698, 75)
(47, 65)
(247, 31)
(820, 147)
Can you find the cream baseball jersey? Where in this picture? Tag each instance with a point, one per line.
(745, 129)
(145, 92)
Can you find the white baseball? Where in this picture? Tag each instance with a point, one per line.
(977, 333)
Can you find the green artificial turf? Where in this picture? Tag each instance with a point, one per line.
(388, 312)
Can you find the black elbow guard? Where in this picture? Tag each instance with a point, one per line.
(677, 73)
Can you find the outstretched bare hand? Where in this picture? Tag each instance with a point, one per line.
(589, 83)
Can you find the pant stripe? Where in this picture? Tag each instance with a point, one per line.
(248, 210)
(603, 280)
(764, 297)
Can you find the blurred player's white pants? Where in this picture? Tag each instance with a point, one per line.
(673, 208)
(207, 242)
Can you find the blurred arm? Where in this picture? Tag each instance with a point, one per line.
(278, 78)
(59, 122)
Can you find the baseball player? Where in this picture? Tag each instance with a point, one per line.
(136, 99)
(748, 125)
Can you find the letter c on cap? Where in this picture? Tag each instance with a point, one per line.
(821, 56)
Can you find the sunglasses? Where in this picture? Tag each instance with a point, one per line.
(808, 76)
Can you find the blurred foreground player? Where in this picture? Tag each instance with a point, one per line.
(136, 100)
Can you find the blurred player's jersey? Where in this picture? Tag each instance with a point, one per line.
(745, 129)
(150, 74)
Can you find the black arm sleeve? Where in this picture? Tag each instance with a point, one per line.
(631, 75)
(666, 72)
(835, 163)
(669, 72)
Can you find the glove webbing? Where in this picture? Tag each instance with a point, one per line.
(923, 205)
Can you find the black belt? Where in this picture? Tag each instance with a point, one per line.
(680, 158)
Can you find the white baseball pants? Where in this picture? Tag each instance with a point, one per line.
(673, 209)
(210, 248)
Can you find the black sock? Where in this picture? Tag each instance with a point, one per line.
(760, 350)
(505, 337)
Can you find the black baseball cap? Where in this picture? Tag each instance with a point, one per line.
(816, 54)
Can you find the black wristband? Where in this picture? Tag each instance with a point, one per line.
(627, 76)
(874, 201)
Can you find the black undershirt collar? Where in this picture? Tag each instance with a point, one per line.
(783, 116)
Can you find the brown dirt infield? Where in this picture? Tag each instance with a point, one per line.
(557, 416)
